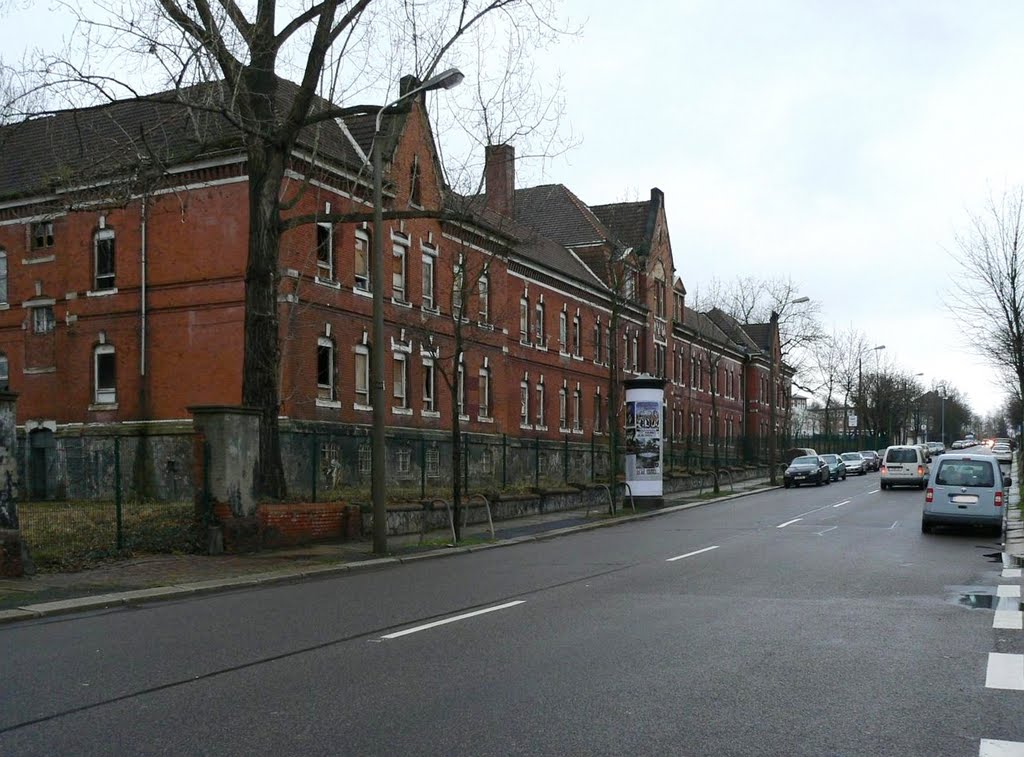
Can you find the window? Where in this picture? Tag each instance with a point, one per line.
(105, 375)
(597, 411)
(485, 393)
(398, 273)
(324, 368)
(399, 375)
(576, 335)
(42, 235)
(524, 320)
(3, 276)
(635, 361)
(433, 463)
(428, 282)
(563, 401)
(597, 342)
(325, 251)
(539, 325)
(103, 259)
(577, 420)
(629, 284)
(365, 458)
(404, 457)
(484, 299)
(428, 385)
(693, 372)
(540, 405)
(659, 298)
(5, 373)
(362, 376)
(524, 404)
(563, 332)
(42, 319)
(415, 197)
(362, 260)
(457, 284)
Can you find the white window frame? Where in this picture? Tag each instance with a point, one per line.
(576, 335)
(362, 277)
(524, 404)
(538, 325)
(110, 282)
(524, 320)
(563, 332)
(325, 391)
(540, 421)
(484, 410)
(460, 391)
(563, 409)
(399, 282)
(325, 267)
(484, 298)
(577, 410)
(43, 319)
(400, 381)
(362, 368)
(429, 387)
(104, 395)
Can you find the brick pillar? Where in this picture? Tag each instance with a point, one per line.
(232, 435)
(14, 558)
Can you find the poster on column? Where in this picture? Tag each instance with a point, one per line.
(643, 441)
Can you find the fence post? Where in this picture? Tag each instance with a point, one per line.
(593, 473)
(465, 463)
(423, 468)
(117, 493)
(565, 459)
(313, 462)
(536, 462)
(504, 460)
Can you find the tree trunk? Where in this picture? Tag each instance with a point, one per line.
(262, 339)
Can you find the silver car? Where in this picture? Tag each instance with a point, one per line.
(855, 463)
(965, 490)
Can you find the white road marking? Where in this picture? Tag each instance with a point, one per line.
(1011, 572)
(1008, 590)
(691, 554)
(844, 502)
(997, 748)
(822, 533)
(788, 523)
(1005, 671)
(894, 525)
(874, 491)
(1011, 619)
(436, 623)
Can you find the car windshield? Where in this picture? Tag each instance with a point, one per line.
(905, 455)
(868, 454)
(965, 473)
(806, 460)
(855, 456)
(830, 459)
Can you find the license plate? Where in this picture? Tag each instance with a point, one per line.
(802, 475)
(964, 499)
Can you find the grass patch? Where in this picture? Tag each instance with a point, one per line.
(65, 536)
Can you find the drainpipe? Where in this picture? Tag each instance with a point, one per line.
(142, 297)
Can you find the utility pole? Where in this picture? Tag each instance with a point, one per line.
(772, 394)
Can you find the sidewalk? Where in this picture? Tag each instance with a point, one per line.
(1013, 534)
(153, 577)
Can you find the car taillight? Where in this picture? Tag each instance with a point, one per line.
(884, 469)
(929, 495)
(920, 470)
(999, 499)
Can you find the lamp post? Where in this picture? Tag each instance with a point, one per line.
(943, 395)
(773, 450)
(444, 80)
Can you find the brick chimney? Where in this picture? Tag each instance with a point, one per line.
(500, 178)
(407, 84)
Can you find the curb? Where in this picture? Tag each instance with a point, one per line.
(216, 585)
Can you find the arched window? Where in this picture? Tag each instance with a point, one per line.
(105, 374)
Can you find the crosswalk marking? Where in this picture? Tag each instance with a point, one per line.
(1011, 573)
(1005, 671)
(997, 748)
(1007, 590)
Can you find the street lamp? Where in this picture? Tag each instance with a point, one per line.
(773, 392)
(444, 80)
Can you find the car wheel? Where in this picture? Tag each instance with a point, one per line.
(922, 485)
(785, 484)
(844, 477)
(882, 486)
(926, 527)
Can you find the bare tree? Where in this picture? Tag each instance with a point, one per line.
(330, 47)
(988, 291)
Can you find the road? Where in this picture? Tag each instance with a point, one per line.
(811, 621)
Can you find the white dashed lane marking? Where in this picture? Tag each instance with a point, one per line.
(840, 504)
(691, 554)
(788, 523)
(1011, 573)
(1005, 671)
(464, 616)
(997, 748)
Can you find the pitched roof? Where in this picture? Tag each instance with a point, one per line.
(705, 327)
(734, 329)
(558, 214)
(761, 333)
(85, 145)
(627, 220)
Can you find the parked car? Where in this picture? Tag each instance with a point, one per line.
(836, 467)
(936, 448)
(958, 444)
(1001, 451)
(904, 465)
(873, 458)
(806, 469)
(965, 490)
(794, 452)
(855, 463)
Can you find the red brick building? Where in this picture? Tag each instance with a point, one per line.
(123, 245)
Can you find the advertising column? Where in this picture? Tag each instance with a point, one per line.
(643, 436)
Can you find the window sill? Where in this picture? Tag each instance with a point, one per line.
(329, 283)
(526, 427)
(101, 292)
(42, 259)
(463, 417)
(578, 357)
(525, 343)
(538, 427)
(542, 348)
(484, 419)
(401, 411)
(362, 408)
(563, 353)
(100, 407)
(485, 325)
(430, 414)
(34, 371)
(401, 303)
(362, 292)
(430, 310)
(334, 404)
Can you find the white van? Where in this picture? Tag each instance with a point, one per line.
(904, 465)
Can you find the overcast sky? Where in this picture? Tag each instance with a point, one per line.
(840, 143)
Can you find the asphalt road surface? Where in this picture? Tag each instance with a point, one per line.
(810, 621)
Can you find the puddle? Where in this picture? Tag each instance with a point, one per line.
(989, 601)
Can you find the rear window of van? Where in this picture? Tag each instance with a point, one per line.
(965, 473)
(901, 456)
